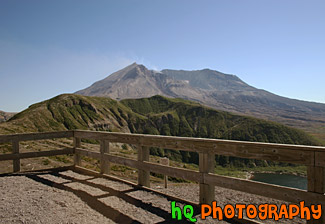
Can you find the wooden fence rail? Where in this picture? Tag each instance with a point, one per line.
(311, 156)
(17, 155)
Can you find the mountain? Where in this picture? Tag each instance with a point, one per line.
(68, 112)
(4, 116)
(155, 115)
(136, 81)
(214, 89)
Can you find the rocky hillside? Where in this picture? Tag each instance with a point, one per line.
(214, 89)
(68, 112)
(4, 116)
(155, 115)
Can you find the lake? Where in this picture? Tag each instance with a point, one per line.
(287, 180)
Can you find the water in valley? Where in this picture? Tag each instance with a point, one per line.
(287, 180)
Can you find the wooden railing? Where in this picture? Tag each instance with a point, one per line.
(17, 155)
(311, 156)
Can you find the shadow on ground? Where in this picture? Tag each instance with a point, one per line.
(94, 201)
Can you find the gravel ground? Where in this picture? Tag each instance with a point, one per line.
(225, 196)
(69, 197)
(24, 200)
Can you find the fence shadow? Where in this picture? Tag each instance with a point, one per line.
(94, 201)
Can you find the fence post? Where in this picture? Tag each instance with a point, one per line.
(165, 161)
(77, 157)
(316, 184)
(104, 164)
(206, 165)
(15, 150)
(143, 175)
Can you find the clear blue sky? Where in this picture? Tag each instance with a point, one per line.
(53, 47)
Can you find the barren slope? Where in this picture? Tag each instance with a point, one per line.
(212, 88)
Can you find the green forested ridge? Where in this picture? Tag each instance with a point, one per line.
(155, 115)
(179, 117)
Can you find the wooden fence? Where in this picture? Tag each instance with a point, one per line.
(311, 156)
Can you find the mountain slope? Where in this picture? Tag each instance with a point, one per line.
(4, 116)
(186, 118)
(155, 115)
(136, 81)
(214, 89)
(67, 112)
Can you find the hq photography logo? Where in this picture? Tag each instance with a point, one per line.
(262, 211)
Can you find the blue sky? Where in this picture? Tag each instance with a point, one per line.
(53, 47)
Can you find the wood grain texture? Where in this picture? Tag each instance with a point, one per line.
(165, 161)
(320, 159)
(207, 190)
(252, 150)
(15, 151)
(104, 164)
(26, 155)
(316, 184)
(143, 174)
(311, 178)
(76, 157)
(36, 136)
